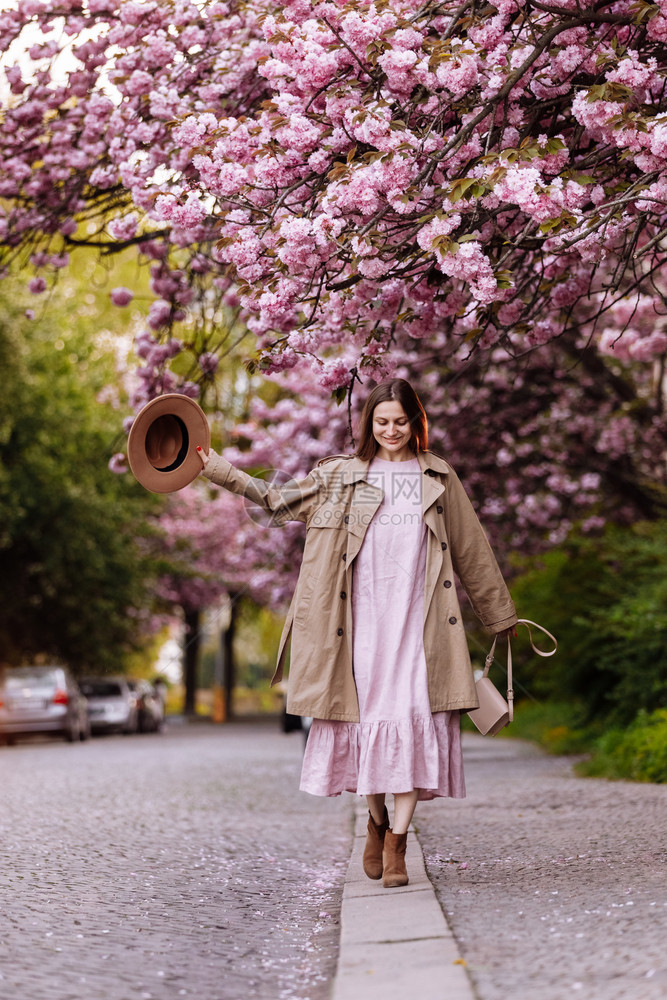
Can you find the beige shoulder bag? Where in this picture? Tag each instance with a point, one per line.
(494, 713)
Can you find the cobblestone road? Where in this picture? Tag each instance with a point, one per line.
(180, 865)
(555, 887)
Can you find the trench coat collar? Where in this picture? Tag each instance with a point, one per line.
(358, 467)
(367, 499)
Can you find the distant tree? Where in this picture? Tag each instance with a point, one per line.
(76, 580)
(214, 548)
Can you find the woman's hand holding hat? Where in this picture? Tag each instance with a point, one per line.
(204, 458)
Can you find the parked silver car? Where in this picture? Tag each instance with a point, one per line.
(43, 699)
(112, 705)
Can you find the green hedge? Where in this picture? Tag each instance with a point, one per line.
(605, 599)
(636, 753)
(604, 693)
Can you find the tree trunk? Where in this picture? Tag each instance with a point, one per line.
(190, 660)
(228, 663)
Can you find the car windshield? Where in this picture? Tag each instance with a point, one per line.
(101, 689)
(29, 677)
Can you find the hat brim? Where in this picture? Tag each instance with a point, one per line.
(187, 466)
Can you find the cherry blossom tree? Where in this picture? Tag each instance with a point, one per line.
(365, 173)
(498, 173)
(469, 193)
(216, 549)
(566, 438)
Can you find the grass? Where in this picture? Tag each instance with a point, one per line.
(556, 726)
(637, 752)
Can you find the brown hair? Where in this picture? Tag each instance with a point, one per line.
(400, 391)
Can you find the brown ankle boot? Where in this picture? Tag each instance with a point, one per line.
(373, 849)
(393, 860)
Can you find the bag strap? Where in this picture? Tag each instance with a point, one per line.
(540, 652)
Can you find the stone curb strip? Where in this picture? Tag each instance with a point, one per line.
(395, 943)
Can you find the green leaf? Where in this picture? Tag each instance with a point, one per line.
(555, 145)
(549, 225)
(459, 188)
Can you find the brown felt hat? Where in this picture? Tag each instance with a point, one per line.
(162, 446)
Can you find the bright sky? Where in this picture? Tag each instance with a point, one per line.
(31, 35)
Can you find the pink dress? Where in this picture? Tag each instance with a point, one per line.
(397, 745)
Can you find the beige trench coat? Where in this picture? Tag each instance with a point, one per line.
(337, 503)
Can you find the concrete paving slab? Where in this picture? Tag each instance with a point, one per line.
(378, 918)
(395, 942)
(390, 972)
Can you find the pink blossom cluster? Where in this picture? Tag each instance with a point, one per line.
(125, 227)
(153, 378)
(637, 331)
(630, 345)
(121, 296)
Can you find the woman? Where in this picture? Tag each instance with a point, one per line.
(379, 656)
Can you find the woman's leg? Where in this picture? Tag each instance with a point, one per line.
(404, 808)
(376, 807)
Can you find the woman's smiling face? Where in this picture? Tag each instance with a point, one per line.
(392, 431)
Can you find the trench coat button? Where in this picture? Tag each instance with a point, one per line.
(347, 519)
(343, 595)
(443, 546)
(429, 472)
(344, 556)
(439, 510)
(339, 631)
(447, 584)
(452, 620)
